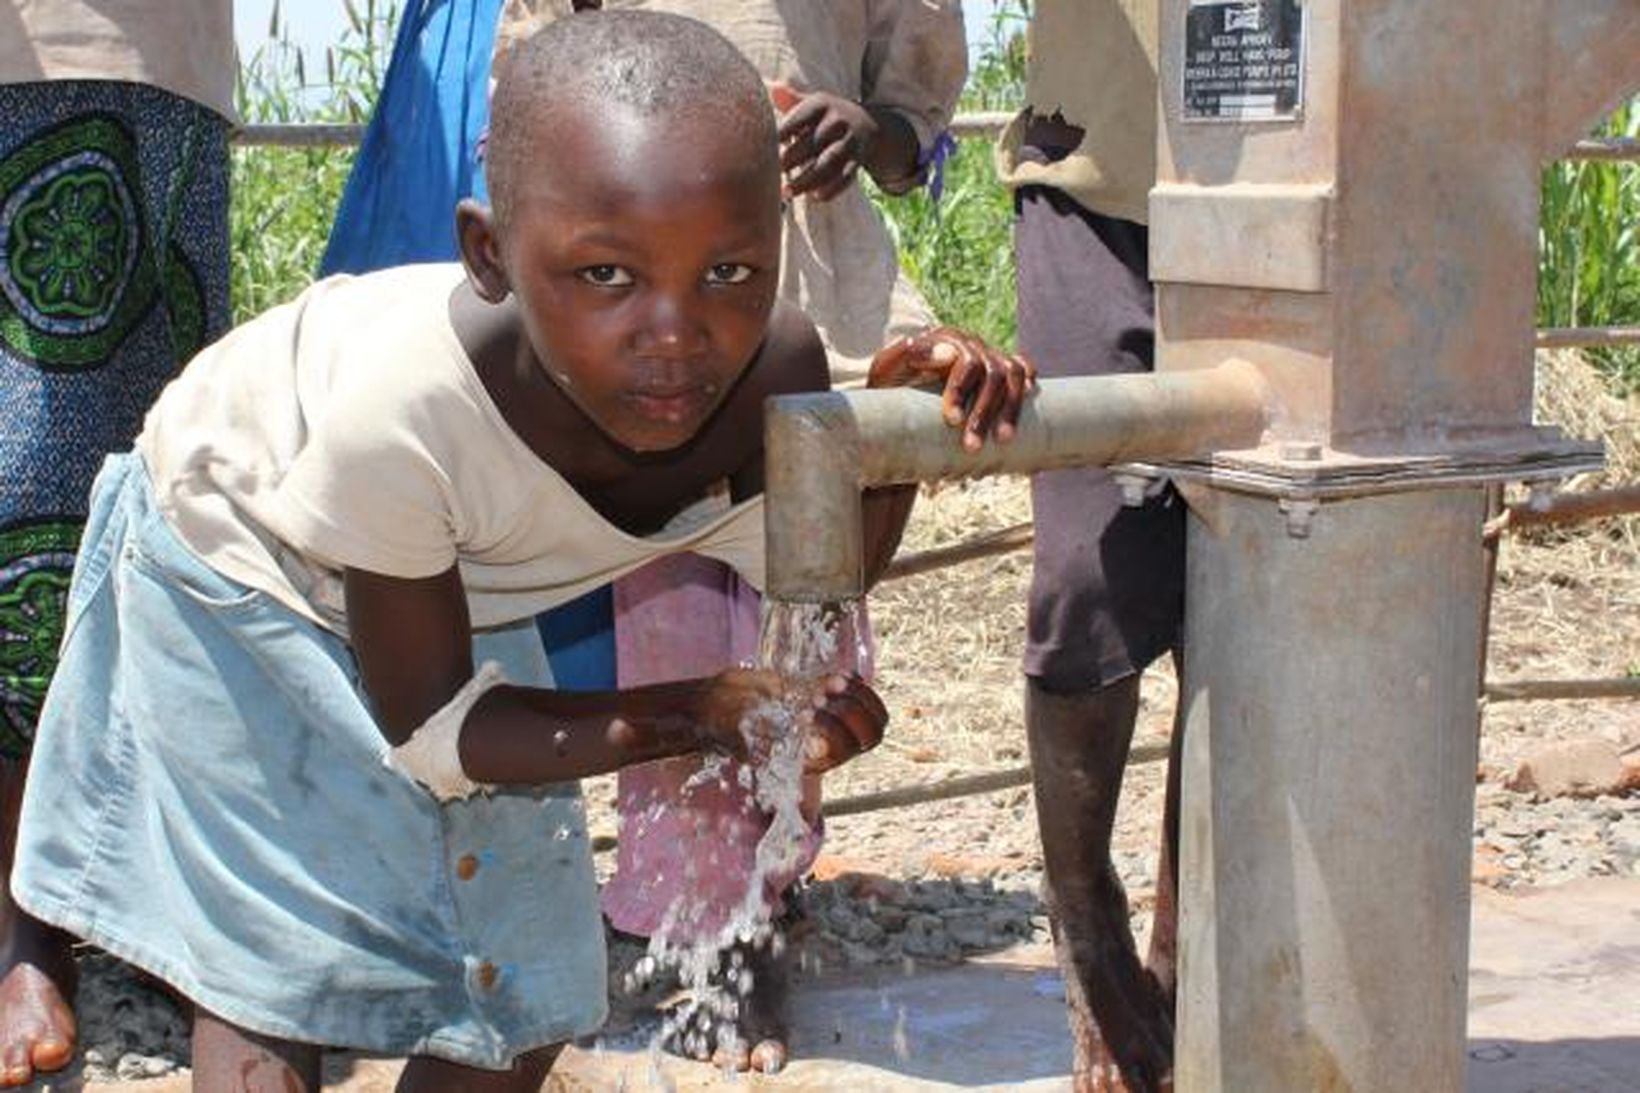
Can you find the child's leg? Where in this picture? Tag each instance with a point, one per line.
(229, 1059)
(37, 973)
(1163, 960)
(1106, 599)
(761, 1024)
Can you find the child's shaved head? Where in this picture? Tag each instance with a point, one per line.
(595, 63)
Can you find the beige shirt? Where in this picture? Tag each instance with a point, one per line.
(348, 429)
(183, 46)
(1094, 62)
(839, 264)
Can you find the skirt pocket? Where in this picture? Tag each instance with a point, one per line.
(160, 554)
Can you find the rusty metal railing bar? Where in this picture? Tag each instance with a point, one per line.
(985, 123)
(1567, 507)
(966, 785)
(1566, 337)
(300, 135)
(1558, 690)
(1560, 508)
(1009, 539)
(1612, 149)
(994, 781)
(978, 123)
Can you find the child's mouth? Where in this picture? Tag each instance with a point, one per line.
(673, 406)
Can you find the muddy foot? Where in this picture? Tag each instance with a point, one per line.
(743, 1026)
(37, 983)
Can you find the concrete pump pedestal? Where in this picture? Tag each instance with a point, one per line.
(1327, 800)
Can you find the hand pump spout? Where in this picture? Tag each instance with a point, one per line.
(822, 449)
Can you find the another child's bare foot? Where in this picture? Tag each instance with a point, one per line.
(752, 981)
(37, 984)
(759, 1042)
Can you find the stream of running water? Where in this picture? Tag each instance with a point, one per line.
(801, 642)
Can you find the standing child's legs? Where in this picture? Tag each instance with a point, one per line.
(114, 261)
(527, 1075)
(1120, 1013)
(230, 1059)
(1106, 599)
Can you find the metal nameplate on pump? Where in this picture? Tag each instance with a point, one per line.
(1243, 61)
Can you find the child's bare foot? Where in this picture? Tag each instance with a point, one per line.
(759, 1042)
(753, 980)
(37, 984)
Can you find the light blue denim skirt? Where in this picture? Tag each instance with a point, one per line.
(207, 800)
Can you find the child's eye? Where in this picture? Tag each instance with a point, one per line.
(605, 276)
(728, 273)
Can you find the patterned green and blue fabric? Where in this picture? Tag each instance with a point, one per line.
(113, 272)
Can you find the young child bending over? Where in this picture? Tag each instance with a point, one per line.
(301, 759)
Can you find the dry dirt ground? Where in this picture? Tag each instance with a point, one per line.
(939, 880)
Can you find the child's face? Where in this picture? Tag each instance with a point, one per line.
(646, 271)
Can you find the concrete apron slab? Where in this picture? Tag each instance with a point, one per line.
(1554, 988)
(1554, 1004)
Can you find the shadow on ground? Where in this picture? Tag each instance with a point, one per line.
(1551, 1066)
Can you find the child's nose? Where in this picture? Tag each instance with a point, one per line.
(672, 327)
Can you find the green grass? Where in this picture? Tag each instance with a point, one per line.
(959, 251)
(1589, 248)
(284, 199)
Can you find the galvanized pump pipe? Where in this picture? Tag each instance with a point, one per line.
(820, 450)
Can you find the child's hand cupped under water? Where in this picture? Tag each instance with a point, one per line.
(738, 711)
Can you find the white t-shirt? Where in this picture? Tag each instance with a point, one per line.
(348, 429)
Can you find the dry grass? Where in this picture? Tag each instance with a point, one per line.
(949, 643)
(1566, 604)
(1573, 395)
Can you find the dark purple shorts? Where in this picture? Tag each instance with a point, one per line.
(1107, 592)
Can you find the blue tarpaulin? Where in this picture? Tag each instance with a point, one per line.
(417, 159)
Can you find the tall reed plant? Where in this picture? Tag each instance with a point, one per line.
(959, 250)
(1589, 247)
(284, 199)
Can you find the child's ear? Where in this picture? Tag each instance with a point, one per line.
(481, 251)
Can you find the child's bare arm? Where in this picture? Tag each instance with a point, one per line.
(982, 391)
(413, 643)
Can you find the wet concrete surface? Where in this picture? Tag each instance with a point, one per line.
(1554, 1007)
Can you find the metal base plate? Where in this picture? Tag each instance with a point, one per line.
(1312, 473)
